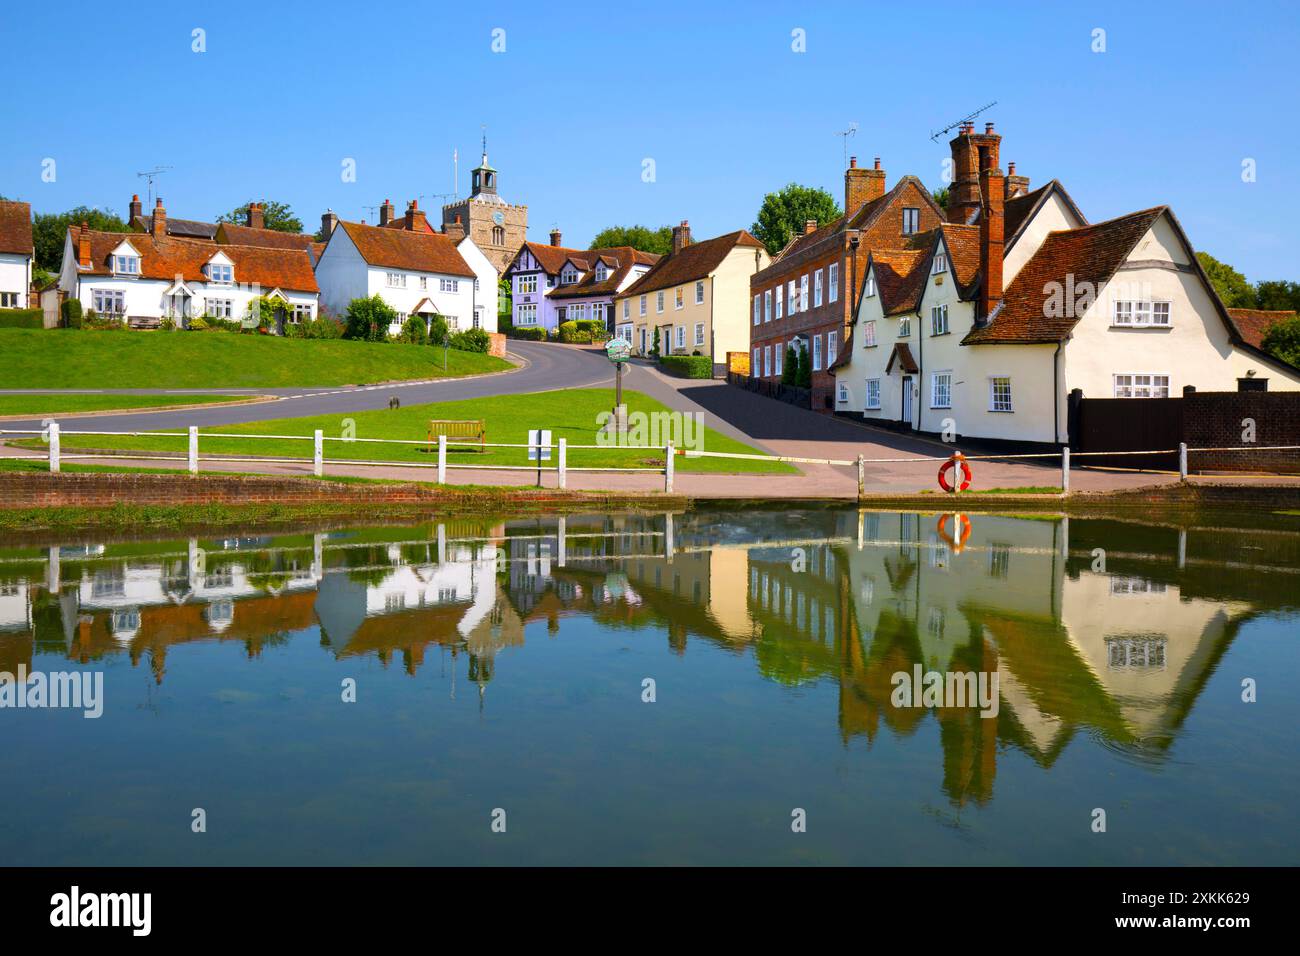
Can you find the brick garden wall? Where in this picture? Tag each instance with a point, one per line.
(1215, 420)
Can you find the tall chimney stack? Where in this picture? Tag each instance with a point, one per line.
(137, 211)
(972, 153)
(328, 223)
(386, 212)
(83, 246)
(862, 185)
(256, 218)
(416, 221)
(555, 237)
(455, 231)
(159, 228)
(991, 239)
(1016, 185)
(681, 236)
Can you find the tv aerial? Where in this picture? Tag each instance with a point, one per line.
(965, 119)
(150, 175)
(846, 133)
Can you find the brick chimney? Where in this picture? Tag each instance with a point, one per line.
(681, 236)
(455, 231)
(972, 153)
(328, 223)
(256, 217)
(809, 226)
(416, 220)
(159, 228)
(555, 237)
(862, 185)
(83, 246)
(386, 212)
(136, 210)
(1016, 185)
(991, 236)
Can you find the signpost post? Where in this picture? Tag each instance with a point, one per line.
(618, 351)
(539, 449)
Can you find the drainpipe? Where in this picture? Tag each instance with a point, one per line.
(1056, 393)
(920, 366)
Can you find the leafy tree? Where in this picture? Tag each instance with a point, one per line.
(49, 229)
(654, 344)
(804, 379)
(784, 213)
(369, 319)
(658, 241)
(1231, 285)
(276, 215)
(940, 197)
(505, 297)
(790, 368)
(1282, 340)
(438, 330)
(1278, 295)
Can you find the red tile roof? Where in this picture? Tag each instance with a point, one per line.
(403, 249)
(695, 261)
(288, 269)
(552, 258)
(620, 259)
(237, 235)
(1090, 254)
(16, 228)
(902, 353)
(1253, 324)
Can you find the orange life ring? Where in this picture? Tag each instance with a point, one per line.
(963, 536)
(948, 466)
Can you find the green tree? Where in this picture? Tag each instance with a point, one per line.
(1278, 295)
(276, 215)
(658, 241)
(1231, 285)
(1282, 340)
(505, 298)
(940, 197)
(804, 379)
(49, 230)
(784, 213)
(369, 319)
(790, 368)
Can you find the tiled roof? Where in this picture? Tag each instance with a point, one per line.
(181, 228)
(16, 228)
(620, 259)
(237, 235)
(695, 261)
(402, 249)
(900, 277)
(1253, 324)
(288, 269)
(553, 258)
(902, 353)
(1020, 210)
(1091, 254)
(963, 244)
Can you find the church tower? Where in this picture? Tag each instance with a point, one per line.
(497, 227)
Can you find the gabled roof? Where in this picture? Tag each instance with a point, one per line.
(181, 228)
(1020, 211)
(900, 277)
(619, 260)
(403, 249)
(237, 235)
(696, 261)
(551, 258)
(270, 268)
(1091, 254)
(901, 353)
(16, 228)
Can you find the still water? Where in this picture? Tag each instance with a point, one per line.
(508, 666)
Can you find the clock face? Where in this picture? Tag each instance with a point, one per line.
(499, 217)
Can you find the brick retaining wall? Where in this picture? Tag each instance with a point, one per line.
(1215, 420)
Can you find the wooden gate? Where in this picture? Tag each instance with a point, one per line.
(1127, 424)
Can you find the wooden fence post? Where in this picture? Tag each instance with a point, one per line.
(318, 458)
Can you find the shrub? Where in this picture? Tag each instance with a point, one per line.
(687, 366)
(529, 333)
(321, 327)
(198, 324)
(654, 344)
(414, 331)
(72, 317)
(368, 319)
(804, 377)
(439, 332)
(167, 324)
(572, 332)
(471, 340)
(110, 323)
(22, 319)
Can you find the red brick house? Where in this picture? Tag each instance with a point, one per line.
(806, 295)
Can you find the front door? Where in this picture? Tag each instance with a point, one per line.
(907, 401)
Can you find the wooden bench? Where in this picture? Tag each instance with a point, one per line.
(475, 431)
(143, 322)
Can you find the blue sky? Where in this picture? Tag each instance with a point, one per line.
(713, 93)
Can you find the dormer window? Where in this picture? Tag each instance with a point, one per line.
(126, 265)
(219, 274)
(940, 263)
(601, 273)
(568, 276)
(870, 290)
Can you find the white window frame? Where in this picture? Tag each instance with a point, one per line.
(1141, 313)
(99, 297)
(817, 353)
(1134, 382)
(939, 319)
(944, 393)
(792, 297)
(680, 337)
(699, 292)
(526, 313)
(832, 347)
(757, 363)
(659, 302)
(999, 404)
(699, 333)
(643, 305)
(758, 308)
(780, 311)
(833, 277)
(869, 290)
(904, 326)
(869, 334)
(778, 358)
(873, 388)
(679, 298)
(395, 280)
(627, 308)
(767, 305)
(767, 361)
(448, 285)
(300, 311)
(817, 288)
(526, 285)
(803, 292)
(940, 264)
(219, 308)
(842, 389)
(126, 265)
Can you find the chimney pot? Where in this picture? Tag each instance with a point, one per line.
(256, 218)
(877, 166)
(555, 236)
(159, 222)
(809, 226)
(988, 128)
(853, 162)
(328, 222)
(681, 236)
(136, 209)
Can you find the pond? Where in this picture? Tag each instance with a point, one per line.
(708, 687)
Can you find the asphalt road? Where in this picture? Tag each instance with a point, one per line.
(545, 367)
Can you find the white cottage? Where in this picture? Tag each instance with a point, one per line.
(15, 255)
(985, 325)
(145, 277)
(415, 270)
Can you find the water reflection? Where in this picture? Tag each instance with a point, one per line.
(1095, 627)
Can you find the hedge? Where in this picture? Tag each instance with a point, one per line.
(583, 330)
(687, 366)
(22, 319)
(71, 310)
(531, 333)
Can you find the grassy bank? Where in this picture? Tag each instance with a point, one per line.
(72, 404)
(70, 358)
(571, 414)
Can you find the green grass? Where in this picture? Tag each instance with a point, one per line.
(67, 404)
(570, 414)
(70, 358)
